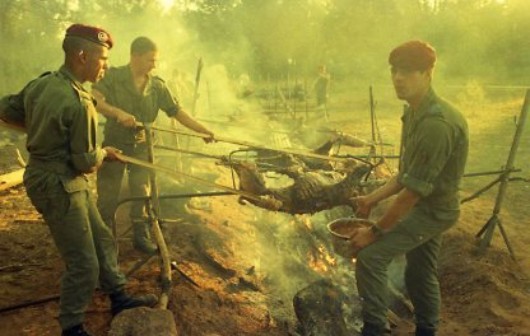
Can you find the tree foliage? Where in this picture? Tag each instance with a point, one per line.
(479, 39)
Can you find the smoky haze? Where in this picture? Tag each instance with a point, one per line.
(265, 44)
(270, 40)
(248, 44)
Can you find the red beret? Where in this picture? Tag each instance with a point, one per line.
(90, 33)
(413, 55)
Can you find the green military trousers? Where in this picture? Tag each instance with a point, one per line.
(109, 181)
(85, 243)
(418, 237)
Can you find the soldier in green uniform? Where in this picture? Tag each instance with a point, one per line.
(130, 94)
(321, 87)
(61, 123)
(433, 156)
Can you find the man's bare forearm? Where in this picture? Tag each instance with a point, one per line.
(112, 112)
(391, 188)
(403, 203)
(187, 121)
(108, 110)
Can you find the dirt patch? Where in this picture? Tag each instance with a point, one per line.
(239, 267)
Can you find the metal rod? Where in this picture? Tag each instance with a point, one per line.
(480, 191)
(249, 144)
(367, 156)
(180, 150)
(495, 172)
(171, 196)
(171, 172)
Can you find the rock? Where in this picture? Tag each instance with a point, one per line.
(144, 321)
(319, 309)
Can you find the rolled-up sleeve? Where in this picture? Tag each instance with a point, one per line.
(427, 158)
(167, 102)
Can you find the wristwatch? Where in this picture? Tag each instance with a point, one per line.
(376, 230)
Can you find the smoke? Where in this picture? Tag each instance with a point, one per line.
(272, 40)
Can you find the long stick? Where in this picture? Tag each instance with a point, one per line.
(152, 166)
(179, 150)
(253, 145)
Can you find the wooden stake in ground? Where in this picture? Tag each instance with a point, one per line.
(488, 229)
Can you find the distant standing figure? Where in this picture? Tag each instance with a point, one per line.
(321, 87)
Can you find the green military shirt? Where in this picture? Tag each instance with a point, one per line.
(61, 122)
(434, 152)
(119, 90)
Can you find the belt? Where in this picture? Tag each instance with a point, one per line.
(59, 167)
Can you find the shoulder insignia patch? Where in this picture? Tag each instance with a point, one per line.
(45, 74)
(159, 79)
(435, 109)
(81, 94)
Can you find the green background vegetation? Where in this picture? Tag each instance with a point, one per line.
(477, 40)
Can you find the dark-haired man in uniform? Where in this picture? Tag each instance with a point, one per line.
(130, 94)
(61, 123)
(433, 157)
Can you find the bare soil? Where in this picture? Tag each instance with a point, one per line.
(246, 264)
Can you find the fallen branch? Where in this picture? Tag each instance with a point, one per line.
(16, 267)
(11, 179)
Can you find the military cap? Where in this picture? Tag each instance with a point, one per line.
(90, 33)
(413, 55)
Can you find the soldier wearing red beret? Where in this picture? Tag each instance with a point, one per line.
(61, 122)
(89, 33)
(433, 156)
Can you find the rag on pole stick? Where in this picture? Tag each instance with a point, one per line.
(194, 103)
(197, 83)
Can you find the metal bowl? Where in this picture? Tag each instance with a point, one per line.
(342, 230)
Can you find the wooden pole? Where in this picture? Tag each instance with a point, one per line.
(253, 145)
(196, 89)
(154, 215)
(494, 221)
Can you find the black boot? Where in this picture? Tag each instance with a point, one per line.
(142, 237)
(421, 331)
(370, 329)
(121, 301)
(77, 330)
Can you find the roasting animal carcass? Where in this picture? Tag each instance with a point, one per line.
(268, 156)
(310, 192)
